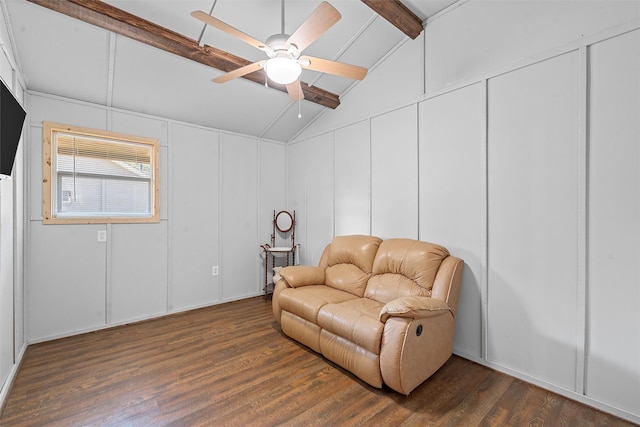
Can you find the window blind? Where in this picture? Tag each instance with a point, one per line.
(102, 177)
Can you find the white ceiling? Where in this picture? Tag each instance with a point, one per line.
(64, 56)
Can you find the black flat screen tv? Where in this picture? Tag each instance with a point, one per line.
(12, 117)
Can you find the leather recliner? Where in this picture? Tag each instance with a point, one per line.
(384, 310)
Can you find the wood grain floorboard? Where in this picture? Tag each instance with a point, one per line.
(230, 365)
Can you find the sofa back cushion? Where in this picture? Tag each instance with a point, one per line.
(348, 261)
(404, 267)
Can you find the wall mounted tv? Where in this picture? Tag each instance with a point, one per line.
(11, 120)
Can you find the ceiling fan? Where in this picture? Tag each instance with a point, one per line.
(285, 62)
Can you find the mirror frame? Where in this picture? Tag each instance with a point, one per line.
(279, 219)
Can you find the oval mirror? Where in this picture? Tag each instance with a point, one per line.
(284, 221)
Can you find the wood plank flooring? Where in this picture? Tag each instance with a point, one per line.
(230, 365)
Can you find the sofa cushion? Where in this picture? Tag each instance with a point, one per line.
(355, 320)
(357, 250)
(390, 286)
(404, 267)
(306, 301)
(347, 277)
(347, 262)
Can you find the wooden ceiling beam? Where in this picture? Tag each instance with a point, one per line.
(120, 22)
(398, 14)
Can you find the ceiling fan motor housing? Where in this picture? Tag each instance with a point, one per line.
(279, 46)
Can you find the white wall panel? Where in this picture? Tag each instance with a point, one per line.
(296, 197)
(194, 219)
(484, 35)
(19, 244)
(137, 278)
(533, 220)
(239, 230)
(319, 196)
(62, 110)
(394, 174)
(67, 271)
(134, 124)
(273, 174)
(614, 222)
(452, 196)
(352, 159)
(6, 279)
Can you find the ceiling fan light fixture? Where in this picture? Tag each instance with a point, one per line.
(282, 70)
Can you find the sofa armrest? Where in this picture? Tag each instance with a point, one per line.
(414, 307)
(302, 275)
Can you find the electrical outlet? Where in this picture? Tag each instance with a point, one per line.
(102, 236)
(215, 270)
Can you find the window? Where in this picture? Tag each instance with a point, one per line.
(93, 176)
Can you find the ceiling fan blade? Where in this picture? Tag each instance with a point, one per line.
(239, 72)
(332, 67)
(314, 26)
(295, 90)
(215, 22)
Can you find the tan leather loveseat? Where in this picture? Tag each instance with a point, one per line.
(383, 310)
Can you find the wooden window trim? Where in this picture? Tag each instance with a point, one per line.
(48, 175)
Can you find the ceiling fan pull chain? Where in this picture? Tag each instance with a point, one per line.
(299, 102)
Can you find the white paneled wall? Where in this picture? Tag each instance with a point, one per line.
(320, 204)
(214, 191)
(239, 211)
(66, 281)
(394, 174)
(18, 179)
(6, 280)
(452, 204)
(533, 159)
(522, 158)
(352, 175)
(614, 222)
(194, 234)
(484, 36)
(136, 285)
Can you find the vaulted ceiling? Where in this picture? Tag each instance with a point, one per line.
(66, 56)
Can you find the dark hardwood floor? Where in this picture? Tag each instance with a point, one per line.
(230, 365)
